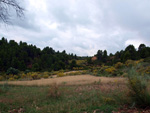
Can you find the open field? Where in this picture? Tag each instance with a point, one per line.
(68, 80)
(68, 94)
(93, 98)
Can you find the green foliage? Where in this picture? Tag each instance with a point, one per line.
(138, 85)
(36, 67)
(26, 71)
(12, 71)
(143, 51)
(73, 64)
(28, 57)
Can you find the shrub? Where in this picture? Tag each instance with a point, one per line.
(27, 71)
(138, 89)
(129, 63)
(16, 77)
(45, 76)
(35, 76)
(119, 65)
(60, 74)
(1, 78)
(11, 79)
(103, 68)
(124, 75)
(139, 61)
(74, 73)
(54, 91)
(84, 71)
(147, 70)
(111, 70)
(23, 75)
(95, 72)
(54, 72)
(12, 71)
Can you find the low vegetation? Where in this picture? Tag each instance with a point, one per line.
(60, 99)
(138, 89)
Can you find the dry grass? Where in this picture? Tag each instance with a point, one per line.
(69, 80)
(54, 91)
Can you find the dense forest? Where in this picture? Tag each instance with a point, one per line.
(24, 57)
(130, 53)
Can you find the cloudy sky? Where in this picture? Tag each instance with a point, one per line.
(82, 26)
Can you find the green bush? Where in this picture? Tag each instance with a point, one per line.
(138, 89)
(26, 71)
(12, 71)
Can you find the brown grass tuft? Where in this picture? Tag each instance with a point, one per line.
(54, 91)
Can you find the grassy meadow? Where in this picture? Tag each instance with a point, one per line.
(63, 99)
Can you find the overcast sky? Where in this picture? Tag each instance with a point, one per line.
(82, 27)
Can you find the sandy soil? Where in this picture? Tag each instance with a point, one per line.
(69, 80)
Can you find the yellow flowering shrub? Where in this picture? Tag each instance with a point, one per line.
(111, 70)
(45, 76)
(23, 75)
(118, 65)
(60, 74)
(46, 73)
(139, 61)
(74, 73)
(16, 77)
(103, 68)
(130, 63)
(33, 75)
(11, 79)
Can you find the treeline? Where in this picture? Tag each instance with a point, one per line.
(130, 53)
(23, 57)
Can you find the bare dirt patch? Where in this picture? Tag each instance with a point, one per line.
(69, 80)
